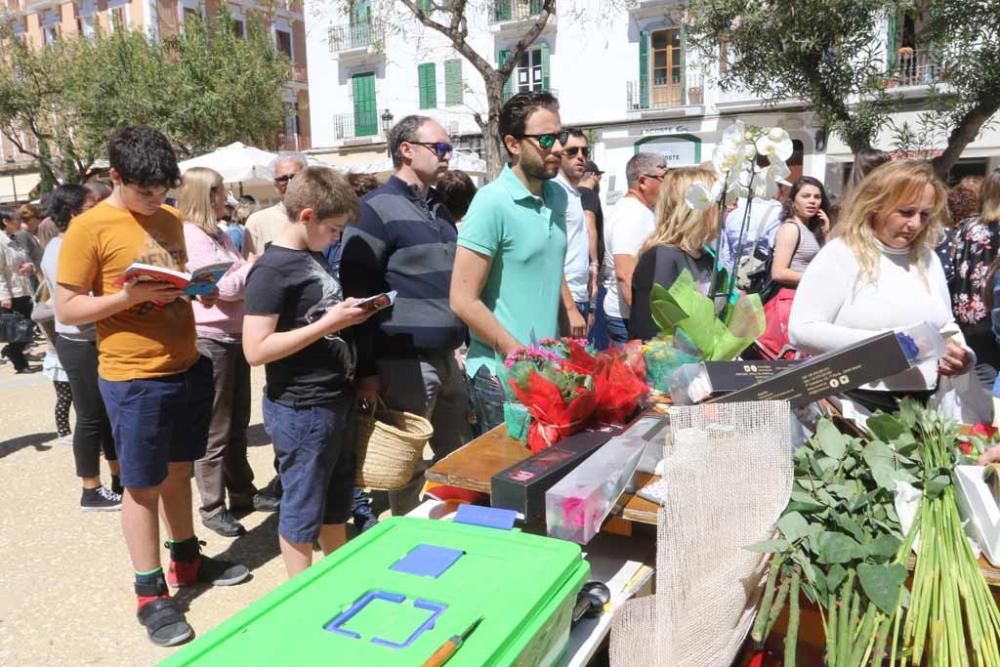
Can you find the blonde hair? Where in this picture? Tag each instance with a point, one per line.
(882, 190)
(678, 224)
(195, 198)
(323, 190)
(989, 198)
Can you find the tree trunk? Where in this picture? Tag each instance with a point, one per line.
(494, 152)
(964, 134)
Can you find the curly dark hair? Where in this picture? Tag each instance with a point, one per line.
(143, 156)
(962, 203)
(65, 202)
(515, 113)
(788, 208)
(455, 190)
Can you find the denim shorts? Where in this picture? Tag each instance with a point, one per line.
(315, 450)
(159, 421)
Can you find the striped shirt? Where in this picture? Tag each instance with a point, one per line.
(405, 243)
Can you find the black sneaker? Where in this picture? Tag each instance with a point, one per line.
(364, 518)
(116, 485)
(225, 524)
(201, 569)
(265, 502)
(100, 500)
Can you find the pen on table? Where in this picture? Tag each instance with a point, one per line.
(443, 654)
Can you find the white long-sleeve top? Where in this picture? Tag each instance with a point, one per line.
(831, 311)
(13, 283)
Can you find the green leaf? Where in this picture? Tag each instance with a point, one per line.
(885, 427)
(768, 546)
(881, 583)
(804, 507)
(934, 487)
(835, 576)
(851, 526)
(793, 526)
(834, 547)
(885, 545)
(877, 453)
(831, 441)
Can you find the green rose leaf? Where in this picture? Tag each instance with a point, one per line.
(885, 427)
(885, 545)
(836, 547)
(793, 526)
(881, 583)
(831, 441)
(768, 546)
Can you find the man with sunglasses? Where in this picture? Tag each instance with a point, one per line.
(508, 277)
(629, 225)
(263, 226)
(581, 242)
(404, 241)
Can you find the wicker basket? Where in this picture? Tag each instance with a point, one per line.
(389, 445)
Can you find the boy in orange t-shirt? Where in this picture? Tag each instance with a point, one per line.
(156, 387)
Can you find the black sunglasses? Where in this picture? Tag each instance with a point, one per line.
(576, 150)
(284, 179)
(440, 148)
(548, 140)
(658, 177)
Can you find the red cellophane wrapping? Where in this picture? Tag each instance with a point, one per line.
(554, 417)
(617, 391)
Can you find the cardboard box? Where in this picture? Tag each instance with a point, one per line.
(832, 373)
(693, 383)
(977, 506)
(522, 486)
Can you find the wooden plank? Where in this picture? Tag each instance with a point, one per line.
(473, 466)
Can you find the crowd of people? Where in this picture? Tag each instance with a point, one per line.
(160, 382)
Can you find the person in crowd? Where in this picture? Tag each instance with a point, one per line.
(971, 251)
(757, 237)
(224, 469)
(630, 224)
(864, 162)
(456, 190)
(405, 242)
(963, 203)
(590, 187)
(577, 291)
(47, 229)
(231, 226)
(507, 280)
(805, 226)
(156, 386)
(972, 183)
(29, 217)
(264, 225)
(880, 272)
(100, 189)
(678, 243)
(52, 369)
(297, 326)
(76, 347)
(16, 291)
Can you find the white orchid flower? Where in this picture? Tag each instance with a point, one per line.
(777, 170)
(699, 197)
(775, 144)
(735, 133)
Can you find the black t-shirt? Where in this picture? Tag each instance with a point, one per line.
(660, 264)
(591, 201)
(298, 287)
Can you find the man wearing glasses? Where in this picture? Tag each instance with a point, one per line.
(404, 241)
(508, 276)
(581, 241)
(264, 225)
(629, 225)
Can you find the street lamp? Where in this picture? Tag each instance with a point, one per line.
(386, 121)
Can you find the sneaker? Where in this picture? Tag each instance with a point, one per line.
(204, 569)
(364, 518)
(225, 524)
(164, 622)
(66, 439)
(116, 485)
(265, 502)
(100, 500)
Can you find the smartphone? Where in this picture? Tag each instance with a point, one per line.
(373, 304)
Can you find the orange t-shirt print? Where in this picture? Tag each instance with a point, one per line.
(145, 341)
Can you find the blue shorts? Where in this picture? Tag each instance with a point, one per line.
(315, 450)
(159, 421)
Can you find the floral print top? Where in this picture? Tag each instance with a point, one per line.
(974, 246)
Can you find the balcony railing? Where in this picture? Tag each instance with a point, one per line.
(914, 67)
(356, 36)
(355, 125)
(502, 11)
(690, 91)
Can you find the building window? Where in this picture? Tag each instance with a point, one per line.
(365, 108)
(119, 18)
(283, 42)
(454, 89)
(724, 52)
(528, 73)
(427, 82)
(239, 28)
(666, 66)
(292, 122)
(190, 13)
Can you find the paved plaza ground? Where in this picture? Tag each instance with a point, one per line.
(65, 580)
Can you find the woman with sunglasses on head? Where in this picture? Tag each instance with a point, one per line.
(678, 244)
(880, 273)
(224, 468)
(77, 350)
(806, 216)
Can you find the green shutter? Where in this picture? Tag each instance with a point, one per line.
(508, 85)
(427, 80)
(365, 110)
(544, 48)
(536, 7)
(643, 70)
(890, 44)
(361, 12)
(502, 10)
(424, 5)
(453, 88)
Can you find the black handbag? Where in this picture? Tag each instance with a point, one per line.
(767, 286)
(16, 328)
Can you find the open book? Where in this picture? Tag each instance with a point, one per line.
(200, 282)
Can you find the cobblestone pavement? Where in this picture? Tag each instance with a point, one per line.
(65, 580)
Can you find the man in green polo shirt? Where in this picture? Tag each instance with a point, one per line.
(508, 273)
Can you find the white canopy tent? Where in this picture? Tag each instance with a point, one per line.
(470, 163)
(237, 162)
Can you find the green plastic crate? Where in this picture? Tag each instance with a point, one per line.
(523, 586)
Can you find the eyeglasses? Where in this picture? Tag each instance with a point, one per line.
(284, 179)
(657, 177)
(548, 140)
(576, 150)
(440, 148)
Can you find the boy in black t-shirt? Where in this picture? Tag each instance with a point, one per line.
(295, 318)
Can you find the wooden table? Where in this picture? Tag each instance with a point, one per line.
(473, 466)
